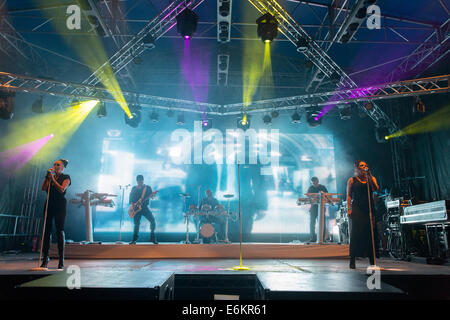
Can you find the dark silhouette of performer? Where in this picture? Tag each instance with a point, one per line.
(56, 210)
(137, 194)
(358, 212)
(314, 210)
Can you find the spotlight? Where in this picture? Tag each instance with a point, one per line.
(180, 119)
(149, 41)
(267, 27)
(274, 114)
(244, 122)
(313, 119)
(207, 124)
(302, 45)
(296, 118)
(6, 105)
(345, 112)
(101, 110)
(38, 106)
(136, 116)
(187, 23)
(419, 106)
(368, 106)
(154, 116)
(224, 8)
(75, 103)
(381, 133)
(308, 64)
(267, 120)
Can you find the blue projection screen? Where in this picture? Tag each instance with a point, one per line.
(275, 169)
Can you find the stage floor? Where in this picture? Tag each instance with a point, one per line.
(281, 278)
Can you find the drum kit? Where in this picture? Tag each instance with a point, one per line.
(204, 217)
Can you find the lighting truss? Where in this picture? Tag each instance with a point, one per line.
(433, 49)
(21, 83)
(415, 87)
(293, 32)
(13, 43)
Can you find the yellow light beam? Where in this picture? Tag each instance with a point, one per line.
(62, 124)
(439, 120)
(91, 51)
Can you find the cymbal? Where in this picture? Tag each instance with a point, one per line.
(228, 196)
(187, 195)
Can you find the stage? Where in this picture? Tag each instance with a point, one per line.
(143, 250)
(215, 279)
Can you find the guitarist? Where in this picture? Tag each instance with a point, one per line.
(140, 195)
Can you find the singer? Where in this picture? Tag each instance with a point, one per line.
(359, 214)
(56, 209)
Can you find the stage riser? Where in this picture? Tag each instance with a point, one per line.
(199, 251)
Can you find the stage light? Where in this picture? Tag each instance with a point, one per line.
(224, 8)
(6, 105)
(313, 119)
(267, 27)
(38, 106)
(136, 116)
(302, 45)
(244, 122)
(180, 119)
(154, 116)
(296, 118)
(345, 112)
(419, 106)
(75, 103)
(149, 41)
(187, 23)
(206, 124)
(274, 114)
(267, 120)
(101, 110)
(368, 106)
(381, 133)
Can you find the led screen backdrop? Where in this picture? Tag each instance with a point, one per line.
(275, 169)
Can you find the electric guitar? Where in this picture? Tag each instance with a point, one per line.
(137, 206)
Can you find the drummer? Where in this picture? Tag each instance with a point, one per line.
(212, 202)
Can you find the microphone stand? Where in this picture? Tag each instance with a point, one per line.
(371, 220)
(240, 267)
(121, 214)
(38, 268)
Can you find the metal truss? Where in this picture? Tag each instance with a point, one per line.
(27, 84)
(294, 32)
(14, 44)
(415, 87)
(433, 48)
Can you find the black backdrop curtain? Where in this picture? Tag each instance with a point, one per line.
(431, 159)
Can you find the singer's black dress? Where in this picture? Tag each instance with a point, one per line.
(56, 211)
(360, 233)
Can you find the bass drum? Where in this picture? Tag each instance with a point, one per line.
(207, 230)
